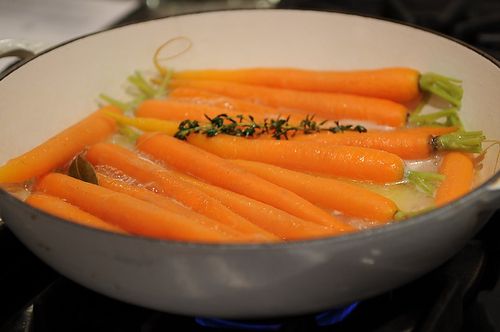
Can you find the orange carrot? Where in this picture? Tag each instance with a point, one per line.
(458, 169)
(168, 184)
(398, 84)
(333, 106)
(431, 130)
(65, 210)
(223, 173)
(174, 110)
(59, 149)
(133, 215)
(229, 104)
(164, 202)
(342, 161)
(328, 193)
(276, 221)
(415, 143)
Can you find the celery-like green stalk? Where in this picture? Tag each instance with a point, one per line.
(129, 133)
(450, 89)
(115, 102)
(426, 182)
(467, 141)
(431, 119)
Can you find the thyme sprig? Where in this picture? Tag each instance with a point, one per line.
(246, 126)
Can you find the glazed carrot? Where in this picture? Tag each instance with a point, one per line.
(333, 106)
(343, 161)
(164, 202)
(414, 143)
(217, 171)
(173, 110)
(65, 210)
(147, 124)
(431, 130)
(168, 184)
(328, 193)
(276, 221)
(458, 169)
(133, 215)
(59, 149)
(204, 97)
(398, 83)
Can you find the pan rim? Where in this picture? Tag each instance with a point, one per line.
(376, 231)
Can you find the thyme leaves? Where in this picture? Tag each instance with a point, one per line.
(246, 126)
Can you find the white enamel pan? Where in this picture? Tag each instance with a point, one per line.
(60, 86)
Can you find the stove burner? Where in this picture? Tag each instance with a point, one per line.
(229, 324)
(334, 316)
(325, 318)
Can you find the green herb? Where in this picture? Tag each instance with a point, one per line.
(81, 169)
(242, 126)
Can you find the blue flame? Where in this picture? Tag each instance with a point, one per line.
(334, 316)
(326, 318)
(228, 324)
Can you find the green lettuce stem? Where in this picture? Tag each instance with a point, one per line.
(450, 89)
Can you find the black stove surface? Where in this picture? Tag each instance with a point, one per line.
(462, 295)
(476, 22)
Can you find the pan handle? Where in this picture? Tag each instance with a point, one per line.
(23, 50)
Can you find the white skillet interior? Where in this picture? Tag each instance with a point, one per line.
(61, 86)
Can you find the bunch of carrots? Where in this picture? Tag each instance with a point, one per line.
(252, 155)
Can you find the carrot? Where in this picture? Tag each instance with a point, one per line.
(431, 130)
(399, 83)
(229, 104)
(65, 210)
(458, 169)
(146, 124)
(168, 184)
(333, 106)
(328, 193)
(276, 221)
(223, 173)
(133, 215)
(174, 110)
(163, 202)
(414, 143)
(343, 161)
(59, 149)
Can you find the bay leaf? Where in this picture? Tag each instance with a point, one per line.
(81, 169)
